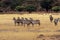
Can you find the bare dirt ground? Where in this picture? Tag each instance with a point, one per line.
(8, 31)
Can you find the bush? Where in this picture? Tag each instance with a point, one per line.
(56, 8)
(19, 8)
(30, 8)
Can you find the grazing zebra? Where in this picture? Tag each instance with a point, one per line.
(51, 18)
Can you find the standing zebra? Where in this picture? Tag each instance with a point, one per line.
(34, 22)
(17, 21)
(55, 21)
(51, 18)
(14, 20)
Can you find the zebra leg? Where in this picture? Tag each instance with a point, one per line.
(32, 24)
(21, 24)
(15, 23)
(28, 24)
(55, 24)
(50, 20)
(39, 24)
(24, 25)
(18, 24)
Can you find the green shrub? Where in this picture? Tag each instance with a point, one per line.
(30, 8)
(19, 8)
(56, 8)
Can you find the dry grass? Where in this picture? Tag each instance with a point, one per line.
(10, 32)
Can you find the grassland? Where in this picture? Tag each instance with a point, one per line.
(8, 31)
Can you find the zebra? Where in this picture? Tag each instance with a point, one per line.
(22, 21)
(56, 21)
(17, 21)
(51, 18)
(34, 22)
